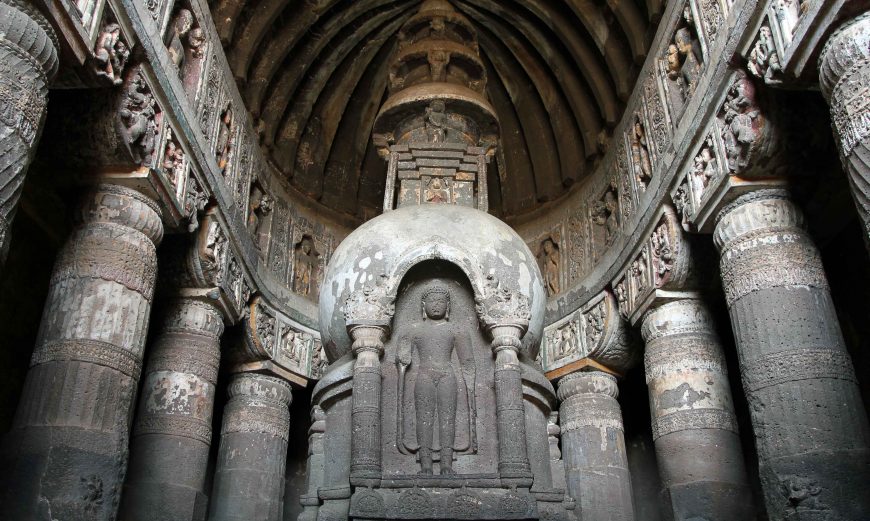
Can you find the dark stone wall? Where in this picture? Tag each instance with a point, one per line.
(297, 452)
(23, 288)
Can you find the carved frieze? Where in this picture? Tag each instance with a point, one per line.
(576, 235)
(278, 240)
(209, 99)
(594, 332)
(741, 148)
(225, 140)
(272, 336)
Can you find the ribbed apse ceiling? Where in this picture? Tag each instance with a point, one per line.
(314, 74)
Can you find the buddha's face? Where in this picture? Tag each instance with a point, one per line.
(435, 305)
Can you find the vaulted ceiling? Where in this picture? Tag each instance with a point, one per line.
(314, 73)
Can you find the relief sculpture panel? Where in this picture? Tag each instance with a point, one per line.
(438, 378)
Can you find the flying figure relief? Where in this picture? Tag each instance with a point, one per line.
(434, 340)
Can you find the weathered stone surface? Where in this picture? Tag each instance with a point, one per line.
(593, 446)
(172, 432)
(812, 435)
(67, 451)
(694, 426)
(249, 477)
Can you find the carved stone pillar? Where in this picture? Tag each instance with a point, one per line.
(811, 432)
(694, 427)
(68, 447)
(593, 446)
(365, 463)
(28, 63)
(314, 468)
(844, 70)
(513, 458)
(249, 476)
(367, 313)
(172, 434)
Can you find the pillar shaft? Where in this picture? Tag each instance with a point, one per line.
(694, 428)
(28, 63)
(172, 433)
(365, 465)
(593, 447)
(70, 433)
(315, 466)
(810, 427)
(513, 458)
(844, 68)
(249, 476)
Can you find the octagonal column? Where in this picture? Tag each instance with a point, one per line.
(593, 446)
(811, 431)
(844, 77)
(694, 428)
(249, 476)
(28, 63)
(172, 434)
(68, 446)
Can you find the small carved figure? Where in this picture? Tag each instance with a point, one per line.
(435, 391)
(138, 113)
(739, 131)
(703, 170)
(690, 63)
(179, 31)
(196, 42)
(305, 266)
(213, 250)
(788, 12)
(319, 363)
(111, 54)
(567, 342)
(173, 162)
(764, 60)
(259, 206)
(673, 62)
(437, 191)
(663, 254)
(549, 261)
(224, 143)
(436, 122)
(438, 61)
(640, 155)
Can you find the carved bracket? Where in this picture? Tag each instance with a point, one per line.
(660, 269)
(595, 335)
(279, 345)
(742, 151)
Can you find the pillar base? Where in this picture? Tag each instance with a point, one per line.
(162, 501)
(708, 500)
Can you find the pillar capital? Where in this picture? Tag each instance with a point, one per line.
(249, 476)
(114, 204)
(587, 382)
(767, 210)
(687, 315)
(847, 50)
